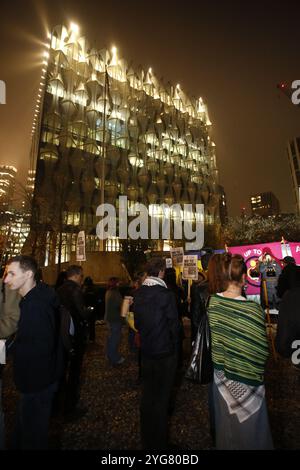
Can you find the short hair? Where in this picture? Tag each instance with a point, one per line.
(155, 265)
(139, 275)
(170, 277)
(27, 263)
(73, 270)
(88, 281)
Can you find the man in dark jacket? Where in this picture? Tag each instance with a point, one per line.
(36, 359)
(156, 319)
(288, 327)
(71, 297)
(287, 275)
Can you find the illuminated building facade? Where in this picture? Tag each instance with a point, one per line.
(14, 231)
(14, 223)
(7, 186)
(103, 129)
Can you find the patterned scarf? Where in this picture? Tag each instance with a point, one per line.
(242, 400)
(154, 281)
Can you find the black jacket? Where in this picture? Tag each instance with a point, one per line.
(288, 327)
(36, 359)
(71, 297)
(156, 319)
(286, 279)
(199, 296)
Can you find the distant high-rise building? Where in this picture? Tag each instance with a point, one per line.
(14, 229)
(7, 186)
(293, 154)
(29, 189)
(14, 223)
(264, 204)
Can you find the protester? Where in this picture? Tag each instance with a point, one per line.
(113, 302)
(287, 275)
(71, 297)
(170, 280)
(199, 295)
(239, 353)
(156, 319)
(36, 363)
(133, 341)
(90, 302)
(288, 326)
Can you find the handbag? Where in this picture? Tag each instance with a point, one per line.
(200, 369)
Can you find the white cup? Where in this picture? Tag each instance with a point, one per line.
(125, 305)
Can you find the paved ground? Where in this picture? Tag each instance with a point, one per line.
(112, 398)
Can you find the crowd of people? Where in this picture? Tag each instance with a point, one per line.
(46, 331)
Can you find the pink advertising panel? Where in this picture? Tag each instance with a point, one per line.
(251, 253)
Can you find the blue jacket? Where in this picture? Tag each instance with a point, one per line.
(36, 357)
(156, 319)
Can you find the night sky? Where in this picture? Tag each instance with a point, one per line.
(231, 54)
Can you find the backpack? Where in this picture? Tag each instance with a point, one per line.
(66, 329)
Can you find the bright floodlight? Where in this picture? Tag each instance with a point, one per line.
(114, 56)
(74, 28)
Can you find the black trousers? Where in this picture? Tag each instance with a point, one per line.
(157, 381)
(73, 378)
